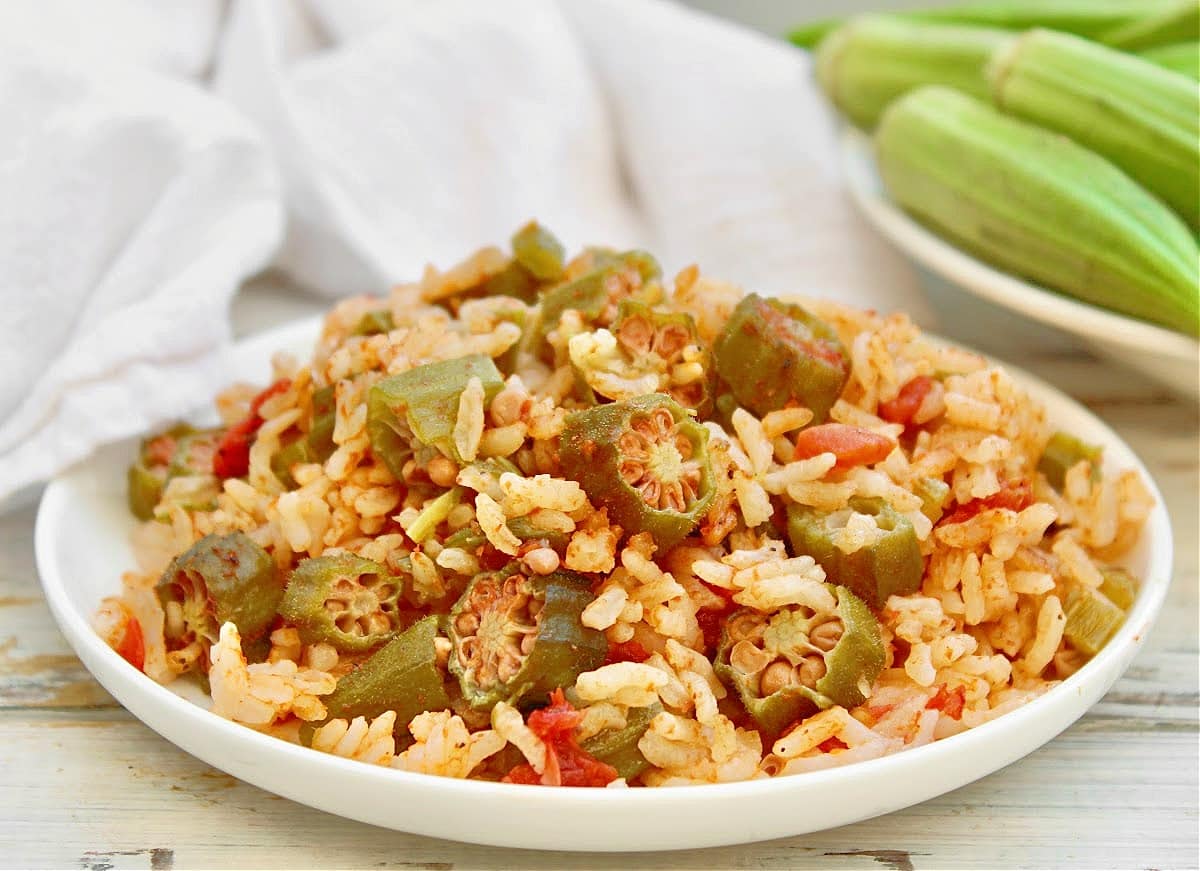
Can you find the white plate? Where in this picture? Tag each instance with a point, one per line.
(82, 548)
(1166, 356)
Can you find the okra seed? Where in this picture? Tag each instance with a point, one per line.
(811, 670)
(542, 560)
(748, 658)
(441, 650)
(827, 635)
(507, 406)
(442, 471)
(777, 676)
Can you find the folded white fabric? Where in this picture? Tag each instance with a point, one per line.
(171, 36)
(733, 155)
(404, 132)
(429, 130)
(410, 132)
(131, 208)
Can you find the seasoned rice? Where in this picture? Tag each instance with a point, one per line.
(684, 627)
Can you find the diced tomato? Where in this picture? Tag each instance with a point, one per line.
(567, 764)
(132, 647)
(949, 702)
(878, 712)
(1015, 496)
(831, 744)
(710, 621)
(492, 560)
(904, 407)
(579, 768)
(852, 445)
(232, 456)
(525, 774)
(556, 720)
(278, 387)
(626, 651)
(160, 450)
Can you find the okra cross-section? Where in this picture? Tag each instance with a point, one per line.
(181, 450)
(619, 747)
(648, 351)
(343, 600)
(402, 676)
(1062, 453)
(788, 664)
(219, 579)
(773, 354)
(539, 252)
(597, 294)
(646, 461)
(422, 404)
(516, 638)
(891, 565)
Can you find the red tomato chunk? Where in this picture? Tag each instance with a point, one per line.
(626, 651)
(132, 647)
(949, 702)
(1013, 496)
(908, 401)
(852, 445)
(232, 457)
(566, 763)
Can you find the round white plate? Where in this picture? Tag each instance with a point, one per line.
(82, 548)
(1166, 356)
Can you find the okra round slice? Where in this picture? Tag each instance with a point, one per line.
(646, 461)
(539, 252)
(219, 579)
(597, 294)
(422, 404)
(344, 600)
(772, 354)
(516, 638)
(148, 475)
(934, 494)
(144, 486)
(1062, 453)
(789, 664)
(619, 747)
(320, 434)
(892, 565)
(663, 345)
(194, 453)
(402, 676)
(292, 453)
(374, 322)
(1118, 586)
(1092, 618)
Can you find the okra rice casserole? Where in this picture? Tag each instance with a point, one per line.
(570, 523)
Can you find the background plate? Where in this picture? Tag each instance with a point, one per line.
(1168, 357)
(82, 549)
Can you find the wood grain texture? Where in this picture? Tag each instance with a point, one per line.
(84, 785)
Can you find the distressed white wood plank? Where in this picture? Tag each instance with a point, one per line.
(1093, 798)
(37, 667)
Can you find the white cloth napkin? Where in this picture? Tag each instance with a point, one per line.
(131, 207)
(403, 132)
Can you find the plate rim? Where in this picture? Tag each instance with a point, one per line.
(983, 280)
(133, 690)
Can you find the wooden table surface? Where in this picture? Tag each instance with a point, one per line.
(84, 785)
